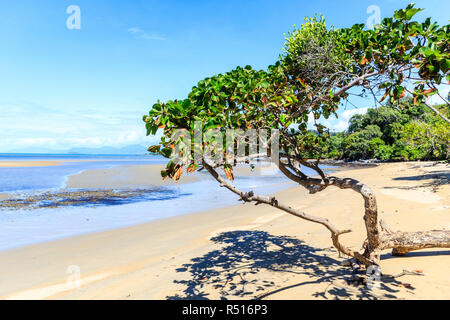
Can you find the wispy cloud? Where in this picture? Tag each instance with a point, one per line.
(141, 34)
(347, 114)
(342, 124)
(134, 30)
(59, 129)
(336, 124)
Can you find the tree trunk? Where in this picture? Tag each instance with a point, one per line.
(404, 242)
(370, 214)
(400, 242)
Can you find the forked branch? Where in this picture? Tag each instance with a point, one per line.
(272, 201)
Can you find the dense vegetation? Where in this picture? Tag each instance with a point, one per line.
(392, 134)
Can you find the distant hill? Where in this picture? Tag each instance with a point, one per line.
(131, 149)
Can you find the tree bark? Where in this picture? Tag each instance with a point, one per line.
(370, 210)
(404, 242)
(370, 206)
(400, 242)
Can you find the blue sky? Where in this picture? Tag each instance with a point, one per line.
(89, 87)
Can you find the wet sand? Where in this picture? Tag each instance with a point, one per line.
(20, 164)
(126, 176)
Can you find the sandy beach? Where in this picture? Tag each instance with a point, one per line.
(19, 164)
(124, 176)
(246, 251)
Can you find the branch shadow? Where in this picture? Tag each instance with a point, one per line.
(437, 175)
(249, 262)
(435, 180)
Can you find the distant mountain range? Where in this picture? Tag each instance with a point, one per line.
(131, 149)
(135, 149)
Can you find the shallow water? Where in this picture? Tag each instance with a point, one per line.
(24, 227)
(51, 177)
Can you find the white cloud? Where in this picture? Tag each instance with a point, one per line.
(27, 142)
(141, 34)
(134, 30)
(347, 114)
(342, 123)
(340, 126)
(29, 127)
(336, 124)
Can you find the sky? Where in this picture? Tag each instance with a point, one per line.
(65, 85)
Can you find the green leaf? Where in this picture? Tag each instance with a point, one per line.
(166, 152)
(154, 148)
(445, 65)
(410, 13)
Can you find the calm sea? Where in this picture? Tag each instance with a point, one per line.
(51, 177)
(25, 227)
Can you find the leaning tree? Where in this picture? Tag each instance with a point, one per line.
(319, 69)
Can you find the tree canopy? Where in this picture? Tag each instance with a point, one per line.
(318, 67)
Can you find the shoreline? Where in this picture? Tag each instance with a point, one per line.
(122, 176)
(29, 163)
(82, 176)
(41, 163)
(165, 258)
(108, 199)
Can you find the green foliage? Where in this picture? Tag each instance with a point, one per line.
(362, 144)
(314, 53)
(401, 42)
(385, 133)
(425, 140)
(335, 146)
(317, 68)
(384, 152)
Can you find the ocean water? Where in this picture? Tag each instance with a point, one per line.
(54, 177)
(25, 227)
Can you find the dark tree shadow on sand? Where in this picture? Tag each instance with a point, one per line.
(246, 265)
(433, 180)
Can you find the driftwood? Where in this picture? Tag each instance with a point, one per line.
(379, 237)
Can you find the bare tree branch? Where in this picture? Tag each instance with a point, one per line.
(272, 201)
